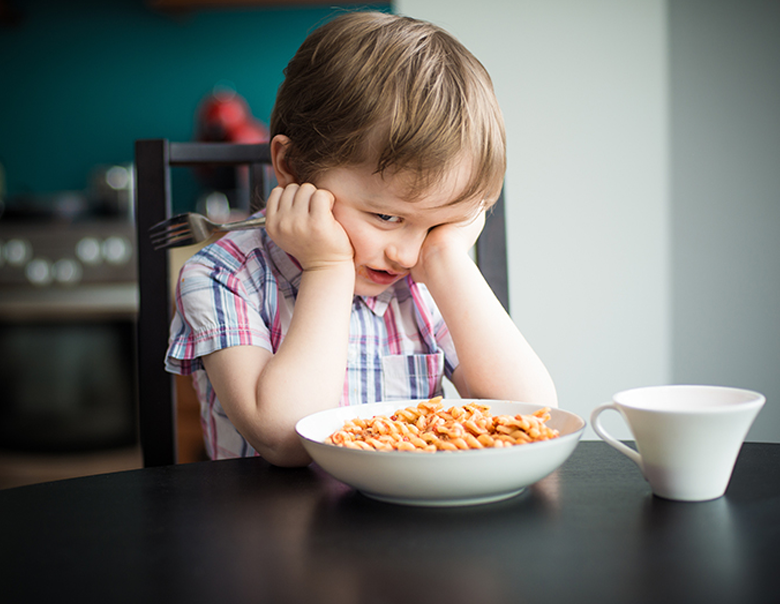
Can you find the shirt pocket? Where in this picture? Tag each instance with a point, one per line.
(415, 376)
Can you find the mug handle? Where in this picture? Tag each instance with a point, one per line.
(610, 440)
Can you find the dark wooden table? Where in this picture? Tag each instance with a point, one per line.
(244, 531)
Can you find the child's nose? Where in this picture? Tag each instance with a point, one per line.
(405, 251)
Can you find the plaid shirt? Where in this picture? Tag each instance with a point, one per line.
(241, 290)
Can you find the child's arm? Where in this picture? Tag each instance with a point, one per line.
(265, 394)
(496, 362)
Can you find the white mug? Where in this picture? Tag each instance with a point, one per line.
(687, 437)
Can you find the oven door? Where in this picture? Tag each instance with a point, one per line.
(67, 374)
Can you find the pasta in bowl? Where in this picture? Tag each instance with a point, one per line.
(445, 475)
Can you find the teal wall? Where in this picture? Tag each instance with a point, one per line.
(81, 80)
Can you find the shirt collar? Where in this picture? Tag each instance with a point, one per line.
(378, 304)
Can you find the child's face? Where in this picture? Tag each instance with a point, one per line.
(387, 232)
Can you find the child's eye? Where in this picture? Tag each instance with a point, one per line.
(388, 218)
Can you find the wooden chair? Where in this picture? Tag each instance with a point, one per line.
(153, 162)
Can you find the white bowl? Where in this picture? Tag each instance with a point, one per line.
(442, 478)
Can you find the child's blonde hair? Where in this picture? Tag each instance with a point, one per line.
(395, 91)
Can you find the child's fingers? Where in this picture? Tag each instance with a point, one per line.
(290, 199)
(281, 202)
(289, 207)
(272, 203)
(300, 201)
(321, 203)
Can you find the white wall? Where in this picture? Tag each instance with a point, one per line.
(725, 183)
(583, 87)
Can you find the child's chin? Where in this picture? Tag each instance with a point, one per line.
(363, 288)
(368, 292)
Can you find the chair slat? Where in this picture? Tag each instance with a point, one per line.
(192, 154)
(156, 397)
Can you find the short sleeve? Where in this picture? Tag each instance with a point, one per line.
(219, 304)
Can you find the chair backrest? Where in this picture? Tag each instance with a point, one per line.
(156, 388)
(153, 162)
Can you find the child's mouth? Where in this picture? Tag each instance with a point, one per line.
(378, 276)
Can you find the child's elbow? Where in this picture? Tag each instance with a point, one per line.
(290, 460)
(285, 453)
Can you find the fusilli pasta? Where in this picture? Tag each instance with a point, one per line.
(429, 427)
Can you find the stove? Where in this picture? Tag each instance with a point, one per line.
(68, 305)
(65, 269)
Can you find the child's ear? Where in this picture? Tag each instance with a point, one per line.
(284, 175)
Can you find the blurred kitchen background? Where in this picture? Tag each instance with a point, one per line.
(642, 193)
(79, 83)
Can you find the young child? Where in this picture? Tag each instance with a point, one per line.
(388, 147)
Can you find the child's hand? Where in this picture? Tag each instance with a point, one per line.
(300, 221)
(446, 243)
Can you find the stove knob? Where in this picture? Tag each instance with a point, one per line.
(88, 251)
(17, 252)
(38, 272)
(116, 250)
(67, 271)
